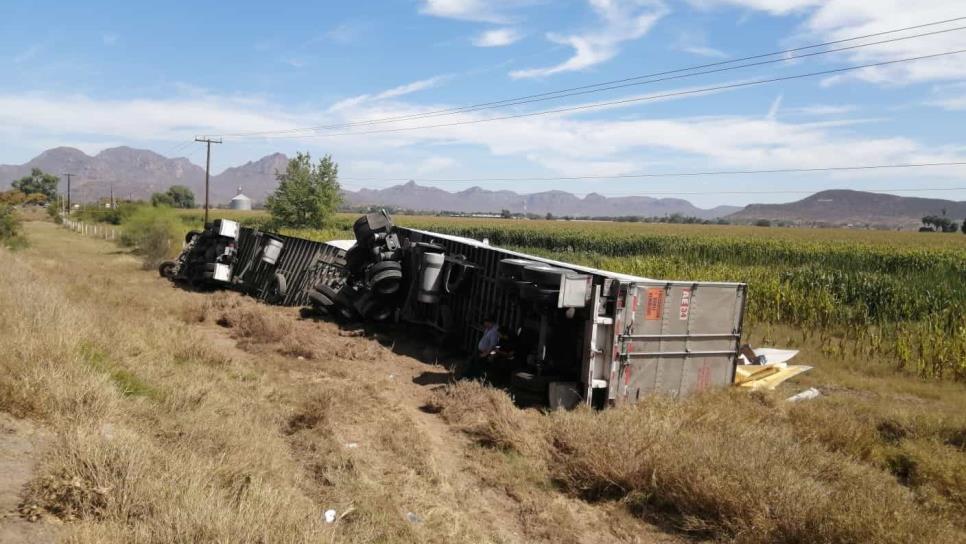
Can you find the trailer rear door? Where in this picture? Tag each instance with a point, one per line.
(677, 338)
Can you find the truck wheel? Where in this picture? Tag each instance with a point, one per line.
(320, 300)
(542, 274)
(192, 234)
(536, 293)
(512, 268)
(167, 269)
(385, 277)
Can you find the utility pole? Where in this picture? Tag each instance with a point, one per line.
(208, 141)
(68, 191)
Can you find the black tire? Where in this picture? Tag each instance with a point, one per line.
(355, 258)
(542, 295)
(384, 277)
(166, 269)
(542, 274)
(320, 300)
(376, 311)
(192, 234)
(324, 289)
(512, 268)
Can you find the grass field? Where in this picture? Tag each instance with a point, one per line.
(194, 417)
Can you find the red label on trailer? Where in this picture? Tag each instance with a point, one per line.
(685, 304)
(655, 303)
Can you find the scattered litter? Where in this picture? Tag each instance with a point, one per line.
(414, 518)
(300, 358)
(352, 445)
(329, 516)
(392, 376)
(352, 333)
(808, 394)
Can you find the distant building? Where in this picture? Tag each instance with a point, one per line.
(240, 202)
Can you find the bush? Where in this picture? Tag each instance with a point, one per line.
(153, 233)
(10, 233)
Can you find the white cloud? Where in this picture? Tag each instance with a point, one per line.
(620, 21)
(705, 51)
(827, 20)
(498, 37)
(410, 88)
(696, 43)
(468, 10)
(776, 105)
(394, 92)
(949, 97)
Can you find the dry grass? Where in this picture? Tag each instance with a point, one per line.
(490, 417)
(728, 466)
(157, 440)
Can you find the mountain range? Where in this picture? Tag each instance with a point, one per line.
(840, 206)
(136, 173)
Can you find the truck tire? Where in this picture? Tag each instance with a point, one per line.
(329, 292)
(384, 277)
(319, 300)
(542, 295)
(355, 259)
(166, 269)
(192, 234)
(542, 274)
(512, 268)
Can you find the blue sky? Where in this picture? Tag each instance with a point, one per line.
(95, 75)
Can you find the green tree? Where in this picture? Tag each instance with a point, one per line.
(307, 195)
(177, 196)
(963, 227)
(38, 182)
(162, 199)
(181, 196)
(505, 213)
(10, 234)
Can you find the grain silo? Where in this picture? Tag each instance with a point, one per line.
(240, 202)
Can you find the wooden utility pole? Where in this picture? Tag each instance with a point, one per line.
(208, 141)
(68, 191)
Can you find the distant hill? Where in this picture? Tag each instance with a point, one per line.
(842, 207)
(138, 172)
(475, 199)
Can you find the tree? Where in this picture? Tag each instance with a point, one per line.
(505, 213)
(177, 196)
(763, 223)
(963, 227)
(162, 199)
(38, 182)
(307, 194)
(181, 196)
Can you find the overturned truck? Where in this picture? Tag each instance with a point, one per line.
(570, 334)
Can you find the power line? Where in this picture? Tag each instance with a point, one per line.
(647, 98)
(208, 142)
(670, 174)
(631, 81)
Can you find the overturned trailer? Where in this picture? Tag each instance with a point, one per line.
(572, 334)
